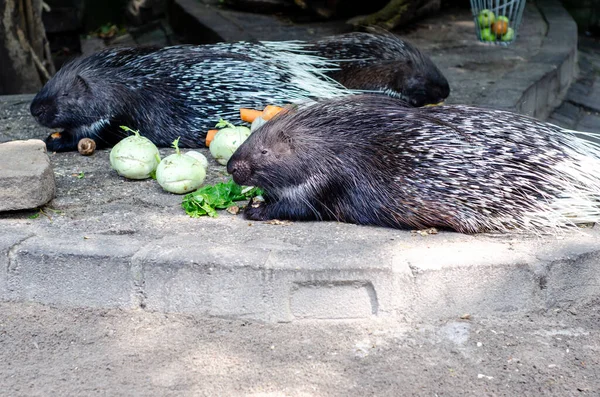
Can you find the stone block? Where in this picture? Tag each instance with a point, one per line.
(333, 300)
(26, 175)
(73, 271)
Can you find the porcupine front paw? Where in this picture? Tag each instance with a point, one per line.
(60, 142)
(257, 211)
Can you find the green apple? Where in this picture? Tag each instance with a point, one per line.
(487, 35)
(509, 35)
(486, 18)
(503, 18)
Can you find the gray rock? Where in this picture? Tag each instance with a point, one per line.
(26, 176)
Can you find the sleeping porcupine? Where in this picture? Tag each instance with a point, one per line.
(181, 91)
(369, 160)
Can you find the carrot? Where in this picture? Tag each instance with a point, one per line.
(249, 114)
(210, 136)
(270, 111)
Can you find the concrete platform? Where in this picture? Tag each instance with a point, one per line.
(105, 242)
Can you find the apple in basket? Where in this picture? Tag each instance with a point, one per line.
(486, 18)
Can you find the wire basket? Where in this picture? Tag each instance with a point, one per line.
(497, 21)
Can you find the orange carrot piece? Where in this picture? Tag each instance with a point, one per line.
(249, 114)
(270, 111)
(210, 136)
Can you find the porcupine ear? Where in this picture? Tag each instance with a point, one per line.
(82, 84)
(284, 136)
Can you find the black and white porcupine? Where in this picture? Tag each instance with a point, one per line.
(181, 91)
(369, 160)
(382, 62)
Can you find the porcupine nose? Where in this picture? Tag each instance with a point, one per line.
(37, 109)
(42, 111)
(239, 169)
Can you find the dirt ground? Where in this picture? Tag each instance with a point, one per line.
(79, 352)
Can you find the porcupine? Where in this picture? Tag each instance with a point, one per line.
(181, 91)
(380, 61)
(369, 160)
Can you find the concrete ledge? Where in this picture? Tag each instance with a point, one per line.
(538, 86)
(278, 280)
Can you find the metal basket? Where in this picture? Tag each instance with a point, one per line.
(497, 21)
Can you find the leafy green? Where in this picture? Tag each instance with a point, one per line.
(209, 198)
(125, 128)
(224, 124)
(35, 216)
(176, 145)
(42, 211)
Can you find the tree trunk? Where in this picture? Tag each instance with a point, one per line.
(25, 59)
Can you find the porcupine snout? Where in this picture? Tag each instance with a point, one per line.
(239, 169)
(44, 111)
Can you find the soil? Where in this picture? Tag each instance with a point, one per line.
(79, 352)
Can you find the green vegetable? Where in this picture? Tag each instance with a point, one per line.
(200, 157)
(227, 140)
(509, 35)
(180, 173)
(486, 18)
(487, 35)
(206, 200)
(134, 157)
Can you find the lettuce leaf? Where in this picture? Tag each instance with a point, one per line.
(208, 199)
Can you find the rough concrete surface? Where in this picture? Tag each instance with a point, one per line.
(26, 175)
(581, 109)
(88, 352)
(531, 76)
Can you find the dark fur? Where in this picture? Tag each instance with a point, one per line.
(142, 88)
(388, 63)
(370, 160)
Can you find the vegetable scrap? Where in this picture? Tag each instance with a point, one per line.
(86, 146)
(249, 115)
(181, 173)
(210, 136)
(227, 140)
(223, 195)
(134, 157)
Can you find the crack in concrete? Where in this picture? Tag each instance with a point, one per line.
(544, 17)
(13, 283)
(414, 272)
(12, 253)
(138, 278)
